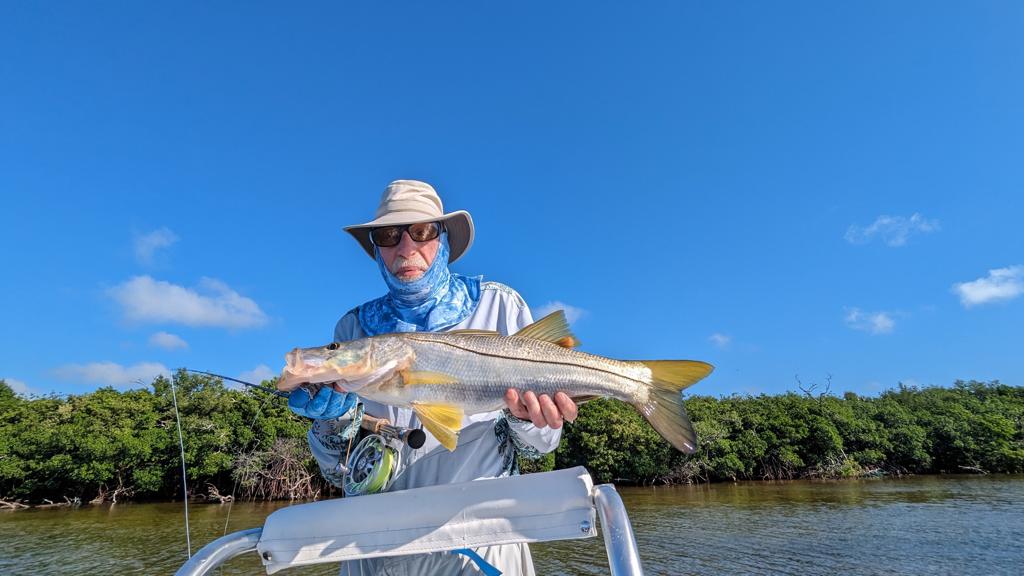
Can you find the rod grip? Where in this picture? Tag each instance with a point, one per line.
(413, 437)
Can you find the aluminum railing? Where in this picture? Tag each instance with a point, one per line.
(220, 551)
(619, 540)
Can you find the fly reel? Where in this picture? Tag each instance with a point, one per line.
(375, 462)
(371, 466)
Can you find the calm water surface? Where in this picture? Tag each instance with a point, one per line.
(922, 525)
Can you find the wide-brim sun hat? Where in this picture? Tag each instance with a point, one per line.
(411, 202)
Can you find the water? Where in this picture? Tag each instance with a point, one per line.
(922, 525)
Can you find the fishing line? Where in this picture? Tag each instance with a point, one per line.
(184, 476)
(234, 487)
(259, 410)
(181, 446)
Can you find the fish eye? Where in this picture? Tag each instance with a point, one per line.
(333, 346)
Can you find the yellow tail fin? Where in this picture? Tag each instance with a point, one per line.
(664, 407)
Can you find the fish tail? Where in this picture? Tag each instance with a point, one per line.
(664, 408)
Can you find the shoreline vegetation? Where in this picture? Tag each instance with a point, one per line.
(113, 446)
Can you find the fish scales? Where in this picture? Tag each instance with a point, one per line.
(484, 367)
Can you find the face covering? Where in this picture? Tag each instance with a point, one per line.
(433, 302)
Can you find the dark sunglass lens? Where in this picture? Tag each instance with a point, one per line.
(423, 232)
(386, 236)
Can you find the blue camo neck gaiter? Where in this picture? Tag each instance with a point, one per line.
(431, 303)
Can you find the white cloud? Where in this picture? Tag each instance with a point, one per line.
(720, 340)
(258, 374)
(873, 322)
(893, 230)
(1000, 284)
(147, 244)
(144, 299)
(19, 387)
(572, 313)
(112, 374)
(167, 341)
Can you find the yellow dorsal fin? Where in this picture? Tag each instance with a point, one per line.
(420, 377)
(442, 420)
(473, 332)
(552, 328)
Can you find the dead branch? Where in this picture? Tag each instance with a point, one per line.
(12, 505)
(104, 494)
(277, 473)
(213, 494)
(975, 469)
(810, 390)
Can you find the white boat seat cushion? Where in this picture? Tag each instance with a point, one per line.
(532, 508)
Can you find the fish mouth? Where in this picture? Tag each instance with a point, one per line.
(295, 363)
(293, 360)
(298, 371)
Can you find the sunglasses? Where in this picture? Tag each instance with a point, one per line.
(388, 236)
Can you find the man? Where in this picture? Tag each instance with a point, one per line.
(413, 241)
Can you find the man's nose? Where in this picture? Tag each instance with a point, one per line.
(406, 246)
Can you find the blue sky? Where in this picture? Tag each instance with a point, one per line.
(782, 189)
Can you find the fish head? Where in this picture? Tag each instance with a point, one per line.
(348, 366)
(338, 362)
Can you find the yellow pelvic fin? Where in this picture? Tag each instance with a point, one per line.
(552, 328)
(420, 377)
(442, 420)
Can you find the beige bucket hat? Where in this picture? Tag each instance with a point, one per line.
(412, 201)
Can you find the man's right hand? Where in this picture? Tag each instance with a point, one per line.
(327, 404)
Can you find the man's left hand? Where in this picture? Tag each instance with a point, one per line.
(542, 410)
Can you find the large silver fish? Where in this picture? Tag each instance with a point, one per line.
(443, 375)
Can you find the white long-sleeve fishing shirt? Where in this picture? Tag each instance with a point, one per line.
(482, 450)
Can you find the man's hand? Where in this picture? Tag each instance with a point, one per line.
(541, 410)
(327, 404)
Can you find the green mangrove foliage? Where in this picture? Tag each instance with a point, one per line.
(973, 427)
(110, 444)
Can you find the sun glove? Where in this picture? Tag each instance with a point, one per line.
(327, 404)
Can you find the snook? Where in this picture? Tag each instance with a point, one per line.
(442, 376)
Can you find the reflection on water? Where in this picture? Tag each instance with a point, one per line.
(922, 525)
(124, 538)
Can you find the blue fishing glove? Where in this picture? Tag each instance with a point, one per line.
(327, 404)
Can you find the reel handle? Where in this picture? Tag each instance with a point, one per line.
(413, 437)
